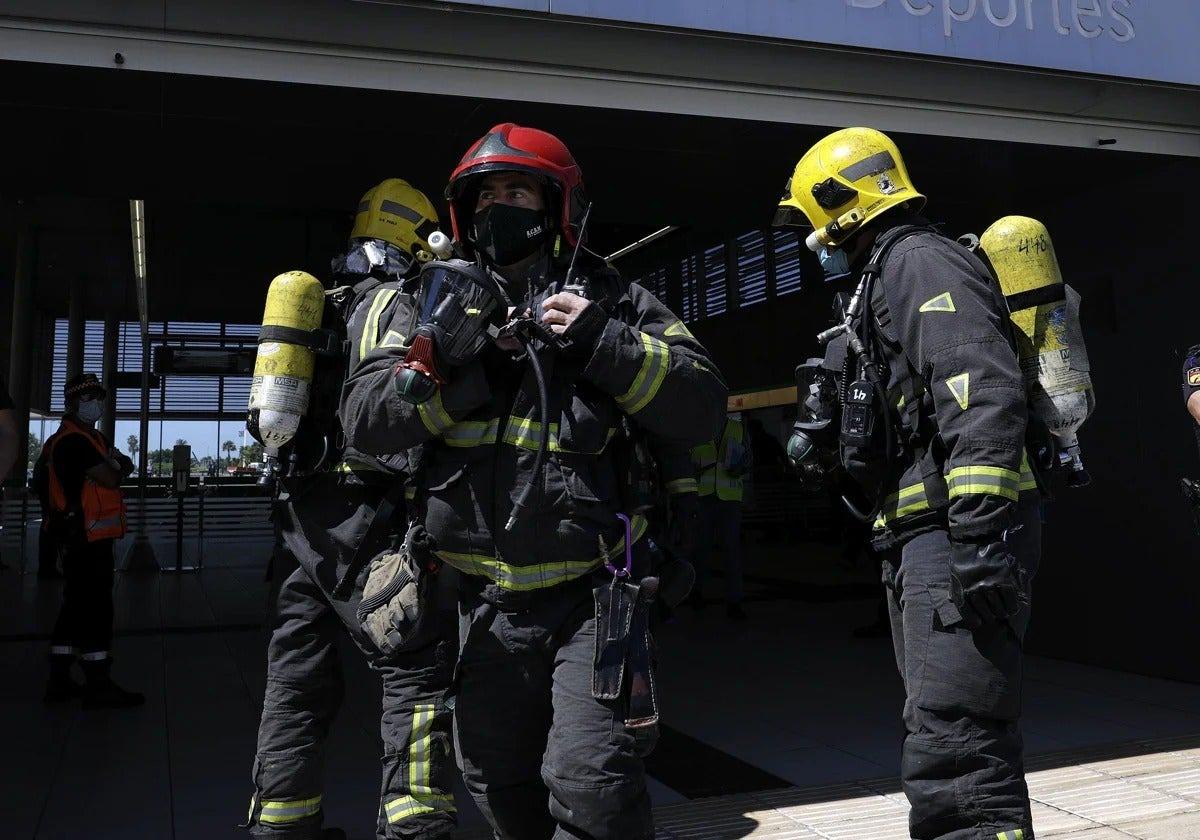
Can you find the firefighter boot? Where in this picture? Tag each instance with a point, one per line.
(101, 692)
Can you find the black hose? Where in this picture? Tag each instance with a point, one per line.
(539, 461)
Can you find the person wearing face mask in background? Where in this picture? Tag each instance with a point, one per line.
(81, 473)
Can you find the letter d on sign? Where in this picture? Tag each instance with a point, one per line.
(949, 16)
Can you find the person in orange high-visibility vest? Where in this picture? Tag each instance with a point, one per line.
(81, 475)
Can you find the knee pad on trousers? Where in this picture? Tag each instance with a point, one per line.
(616, 811)
(964, 774)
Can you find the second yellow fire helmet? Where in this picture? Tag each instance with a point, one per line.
(844, 181)
(399, 213)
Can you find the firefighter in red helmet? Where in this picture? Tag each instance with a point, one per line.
(552, 725)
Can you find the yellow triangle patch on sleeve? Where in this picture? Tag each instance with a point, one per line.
(678, 328)
(941, 303)
(960, 389)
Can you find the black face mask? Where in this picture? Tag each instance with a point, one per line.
(508, 234)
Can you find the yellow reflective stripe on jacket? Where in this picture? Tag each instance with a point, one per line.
(518, 431)
(469, 433)
(1015, 834)
(1028, 480)
(434, 415)
(649, 377)
(371, 326)
(289, 810)
(527, 434)
(907, 501)
(979, 478)
(729, 488)
(682, 485)
(539, 576)
(704, 459)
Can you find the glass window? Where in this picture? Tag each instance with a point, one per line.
(751, 268)
(714, 281)
(689, 277)
(787, 262)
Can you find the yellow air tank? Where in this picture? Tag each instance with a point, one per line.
(283, 371)
(1045, 314)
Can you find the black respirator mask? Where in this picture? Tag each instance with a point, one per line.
(508, 234)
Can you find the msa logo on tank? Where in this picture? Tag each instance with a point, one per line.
(1194, 376)
(1069, 18)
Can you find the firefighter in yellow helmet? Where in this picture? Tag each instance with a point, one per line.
(350, 511)
(930, 425)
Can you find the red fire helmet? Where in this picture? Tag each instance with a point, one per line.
(509, 147)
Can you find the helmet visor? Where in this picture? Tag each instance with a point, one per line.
(787, 216)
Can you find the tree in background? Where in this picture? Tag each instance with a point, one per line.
(252, 453)
(131, 443)
(35, 449)
(161, 461)
(228, 447)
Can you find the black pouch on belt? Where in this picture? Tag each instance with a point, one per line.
(623, 667)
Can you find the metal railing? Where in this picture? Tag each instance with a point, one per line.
(215, 517)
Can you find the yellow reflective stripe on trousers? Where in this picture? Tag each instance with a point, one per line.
(434, 415)
(288, 810)
(649, 377)
(539, 576)
(371, 326)
(682, 485)
(1015, 834)
(421, 798)
(404, 807)
(980, 479)
(704, 459)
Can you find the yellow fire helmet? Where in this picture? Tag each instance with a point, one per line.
(399, 213)
(844, 181)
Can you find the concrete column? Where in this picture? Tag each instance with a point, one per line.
(112, 335)
(75, 325)
(21, 347)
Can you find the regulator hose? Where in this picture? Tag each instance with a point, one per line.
(539, 460)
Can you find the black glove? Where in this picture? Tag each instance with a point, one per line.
(987, 584)
(685, 519)
(585, 330)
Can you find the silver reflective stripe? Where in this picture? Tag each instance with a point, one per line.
(63, 650)
(398, 209)
(876, 163)
(95, 656)
(289, 810)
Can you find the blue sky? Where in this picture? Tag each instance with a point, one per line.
(202, 435)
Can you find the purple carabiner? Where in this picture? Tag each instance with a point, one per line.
(623, 572)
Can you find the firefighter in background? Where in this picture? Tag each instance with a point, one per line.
(1191, 397)
(549, 740)
(81, 474)
(326, 520)
(933, 420)
(723, 467)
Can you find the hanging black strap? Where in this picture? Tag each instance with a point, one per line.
(322, 341)
(1055, 293)
(381, 522)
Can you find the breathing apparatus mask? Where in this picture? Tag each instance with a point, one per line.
(367, 256)
(812, 448)
(456, 303)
